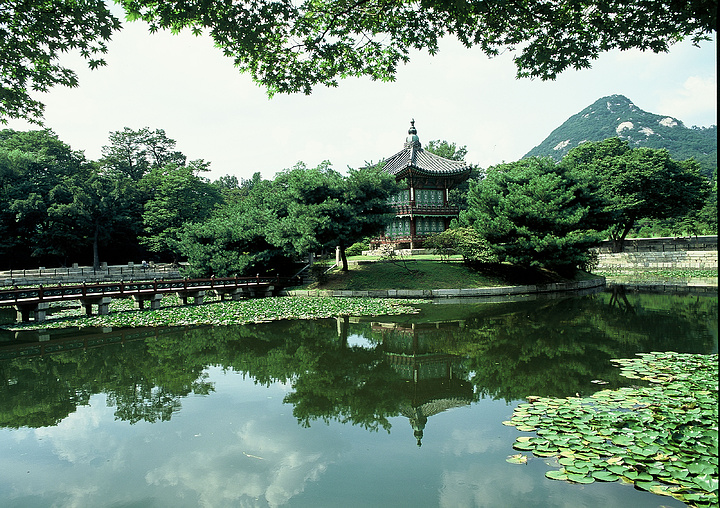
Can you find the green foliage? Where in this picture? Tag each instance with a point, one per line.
(178, 195)
(234, 240)
(37, 173)
(319, 42)
(447, 150)
(304, 210)
(228, 245)
(33, 36)
(99, 210)
(234, 190)
(357, 248)
(293, 46)
(638, 183)
(464, 241)
(134, 153)
(533, 214)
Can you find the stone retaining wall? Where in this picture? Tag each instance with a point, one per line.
(665, 244)
(453, 293)
(80, 274)
(639, 261)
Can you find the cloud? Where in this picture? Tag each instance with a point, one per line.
(697, 99)
(264, 465)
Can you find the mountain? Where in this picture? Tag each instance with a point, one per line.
(617, 116)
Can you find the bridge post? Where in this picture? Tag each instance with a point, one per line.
(34, 311)
(103, 303)
(197, 296)
(153, 299)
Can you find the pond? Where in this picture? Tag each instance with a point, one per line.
(384, 411)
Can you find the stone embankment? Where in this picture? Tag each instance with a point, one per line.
(624, 262)
(646, 254)
(455, 293)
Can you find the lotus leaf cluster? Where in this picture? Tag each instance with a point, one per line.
(123, 315)
(661, 436)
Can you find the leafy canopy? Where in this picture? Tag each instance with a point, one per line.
(291, 47)
(33, 35)
(637, 183)
(532, 213)
(303, 210)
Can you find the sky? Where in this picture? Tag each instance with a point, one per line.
(183, 85)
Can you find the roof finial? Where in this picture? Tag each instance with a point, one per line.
(412, 139)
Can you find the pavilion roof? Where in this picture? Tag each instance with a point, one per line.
(413, 158)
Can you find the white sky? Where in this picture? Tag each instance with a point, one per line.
(184, 85)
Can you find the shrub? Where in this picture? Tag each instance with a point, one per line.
(464, 241)
(357, 248)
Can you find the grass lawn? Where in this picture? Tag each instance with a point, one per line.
(419, 273)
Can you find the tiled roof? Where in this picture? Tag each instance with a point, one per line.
(414, 158)
(424, 162)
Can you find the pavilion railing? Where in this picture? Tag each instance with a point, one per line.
(415, 209)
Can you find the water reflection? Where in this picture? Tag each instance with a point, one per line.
(446, 355)
(224, 441)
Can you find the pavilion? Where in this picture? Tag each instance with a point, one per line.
(422, 207)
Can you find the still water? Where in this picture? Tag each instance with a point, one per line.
(400, 411)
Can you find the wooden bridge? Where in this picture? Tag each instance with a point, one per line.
(33, 303)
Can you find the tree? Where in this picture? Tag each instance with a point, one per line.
(34, 169)
(318, 209)
(636, 183)
(232, 242)
(366, 210)
(234, 190)
(293, 46)
(304, 210)
(178, 195)
(33, 36)
(533, 214)
(447, 150)
(102, 210)
(464, 241)
(134, 153)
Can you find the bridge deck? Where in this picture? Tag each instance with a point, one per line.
(35, 300)
(42, 294)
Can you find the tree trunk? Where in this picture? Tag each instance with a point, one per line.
(343, 257)
(96, 253)
(619, 240)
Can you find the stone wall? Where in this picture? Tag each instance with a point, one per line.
(677, 260)
(682, 253)
(486, 292)
(79, 274)
(666, 244)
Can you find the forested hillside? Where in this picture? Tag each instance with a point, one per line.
(617, 116)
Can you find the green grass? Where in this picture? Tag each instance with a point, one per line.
(417, 273)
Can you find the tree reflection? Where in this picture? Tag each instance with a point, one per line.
(412, 366)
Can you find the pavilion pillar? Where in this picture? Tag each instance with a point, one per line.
(413, 228)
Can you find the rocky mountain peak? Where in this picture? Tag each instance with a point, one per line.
(617, 116)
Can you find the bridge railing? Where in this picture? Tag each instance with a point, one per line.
(68, 292)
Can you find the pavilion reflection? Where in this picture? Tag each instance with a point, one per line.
(431, 381)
